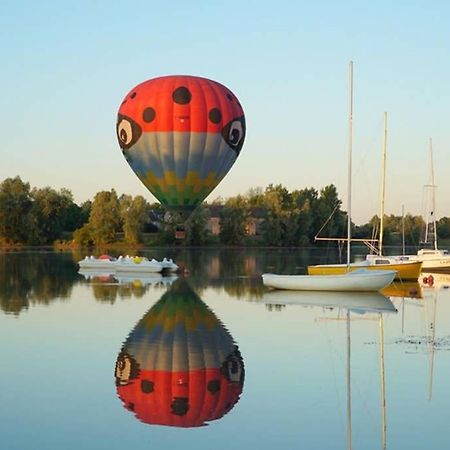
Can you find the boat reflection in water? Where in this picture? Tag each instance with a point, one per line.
(179, 366)
(350, 302)
(405, 289)
(353, 301)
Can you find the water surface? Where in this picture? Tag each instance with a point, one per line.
(218, 362)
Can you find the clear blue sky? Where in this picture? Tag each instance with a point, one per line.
(67, 65)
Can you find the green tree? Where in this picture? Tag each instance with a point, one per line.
(15, 207)
(255, 197)
(443, 227)
(271, 229)
(104, 219)
(233, 221)
(134, 213)
(328, 214)
(197, 232)
(76, 216)
(277, 198)
(48, 214)
(83, 236)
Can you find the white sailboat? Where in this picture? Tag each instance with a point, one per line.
(433, 259)
(357, 280)
(406, 268)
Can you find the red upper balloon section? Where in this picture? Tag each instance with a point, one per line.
(181, 103)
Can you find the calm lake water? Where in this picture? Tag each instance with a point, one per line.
(215, 361)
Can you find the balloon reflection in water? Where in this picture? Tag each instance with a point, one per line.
(179, 366)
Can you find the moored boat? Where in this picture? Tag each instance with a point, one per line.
(405, 270)
(357, 280)
(102, 262)
(139, 264)
(109, 264)
(168, 265)
(433, 260)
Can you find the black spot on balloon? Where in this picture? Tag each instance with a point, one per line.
(230, 97)
(133, 95)
(149, 114)
(181, 95)
(147, 386)
(213, 386)
(180, 406)
(215, 116)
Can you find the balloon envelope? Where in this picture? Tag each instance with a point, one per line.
(181, 135)
(179, 366)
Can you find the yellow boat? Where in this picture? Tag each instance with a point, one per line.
(406, 270)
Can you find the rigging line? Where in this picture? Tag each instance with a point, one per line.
(329, 218)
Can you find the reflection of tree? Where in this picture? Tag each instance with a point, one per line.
(111, 290)
(28, 278)
(41, 277)
(104, 292)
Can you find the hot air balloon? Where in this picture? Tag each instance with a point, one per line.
(179, 366)
(181, 135)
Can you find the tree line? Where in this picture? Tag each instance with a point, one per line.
(41, 216)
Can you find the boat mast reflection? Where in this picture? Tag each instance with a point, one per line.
(179, 366)
(350, 302)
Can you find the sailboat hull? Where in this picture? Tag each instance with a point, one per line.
(357, 281)
(404, 271)
(433, 260)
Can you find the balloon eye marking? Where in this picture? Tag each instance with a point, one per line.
(235, 134)
(148, 115)
(215, 116)
(230, 97)
(181, 95)
(133, 95)
(128, 132)
(124, 131)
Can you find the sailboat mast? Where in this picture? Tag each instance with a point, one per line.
(349, 180)
(403, 230)
(433, 197)
(383, 185)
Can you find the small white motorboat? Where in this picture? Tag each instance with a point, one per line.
(357, 280)
(127, 263)
(168, 265)
(138, 264)
(102, 262)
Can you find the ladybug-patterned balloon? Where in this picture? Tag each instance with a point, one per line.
(181, 135)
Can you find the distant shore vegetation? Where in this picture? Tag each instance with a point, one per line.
(271, 216)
